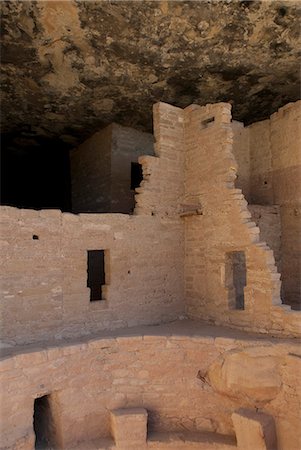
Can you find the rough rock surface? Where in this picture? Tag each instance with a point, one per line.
(70, 67)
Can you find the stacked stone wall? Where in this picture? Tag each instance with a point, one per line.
(91, 173)
(44, 291)
(187, 379)
(101, 169)
(286, 165)
(162, 189)
(268, 220)
(225, 226)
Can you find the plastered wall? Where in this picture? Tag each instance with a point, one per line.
(101, 169)
(187, 381)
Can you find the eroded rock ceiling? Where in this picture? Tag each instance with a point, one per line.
(70, 67)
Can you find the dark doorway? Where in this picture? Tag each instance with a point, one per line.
(136, 175)
(96, 273)
(43, 424)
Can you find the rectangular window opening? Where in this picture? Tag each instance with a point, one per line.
(96, 274)
(43, 424)
(236, 278)
(136, 175)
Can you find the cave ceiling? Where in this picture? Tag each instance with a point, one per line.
(71, 67)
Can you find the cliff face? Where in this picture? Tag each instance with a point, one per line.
(70, 67)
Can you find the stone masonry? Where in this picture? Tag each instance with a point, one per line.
(142, 367)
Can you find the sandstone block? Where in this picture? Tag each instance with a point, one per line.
(254, 430)
(129, 427)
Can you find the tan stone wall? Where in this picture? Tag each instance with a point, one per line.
(101, 169)
(286, 164)
(267, 218)
(44, 281)
(261, 180)
(241, 151)
(275, 178)
(44, 290)
(187, 379)
(162, 189)
(225, 226)
(127, 145)
(91, 173)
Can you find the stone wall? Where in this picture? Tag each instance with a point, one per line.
(224, 227)
(187, 189)
(162, 189)
(241, 151)
(189, 377)
(275, 177)
(286, 164)
(127, 146)
(90, 166)
(261, 180)
(101, 169)
(44, 290)
(268, 220)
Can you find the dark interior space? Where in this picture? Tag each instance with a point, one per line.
(43, 424)
(236, 278)
(136, 175)
(36, 176)
(96, 273)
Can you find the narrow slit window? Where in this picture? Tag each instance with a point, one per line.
(136, 175)
(96, 274)
(236, 278)
(206, 122)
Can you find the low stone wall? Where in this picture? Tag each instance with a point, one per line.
(190, 377)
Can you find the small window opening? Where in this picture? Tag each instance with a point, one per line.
(43, 424)
(236, 278)
(35, 237)
(206, 122)
(96, 274)
(136, 175)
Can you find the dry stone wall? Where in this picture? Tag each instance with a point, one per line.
(286, 165)
(268, 220)
(269, 173)
(101, 169)
(188, 376)
(90, 166)
(241, 151)
(188, 189)
(44, 280)
(127, 146)
(162, 189)
(224, 227)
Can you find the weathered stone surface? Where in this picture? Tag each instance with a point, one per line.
(129, 426)
(70, 67)
(254, 430)
(165, 380)
(238, 374)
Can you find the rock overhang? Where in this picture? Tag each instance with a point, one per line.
(70, 67)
